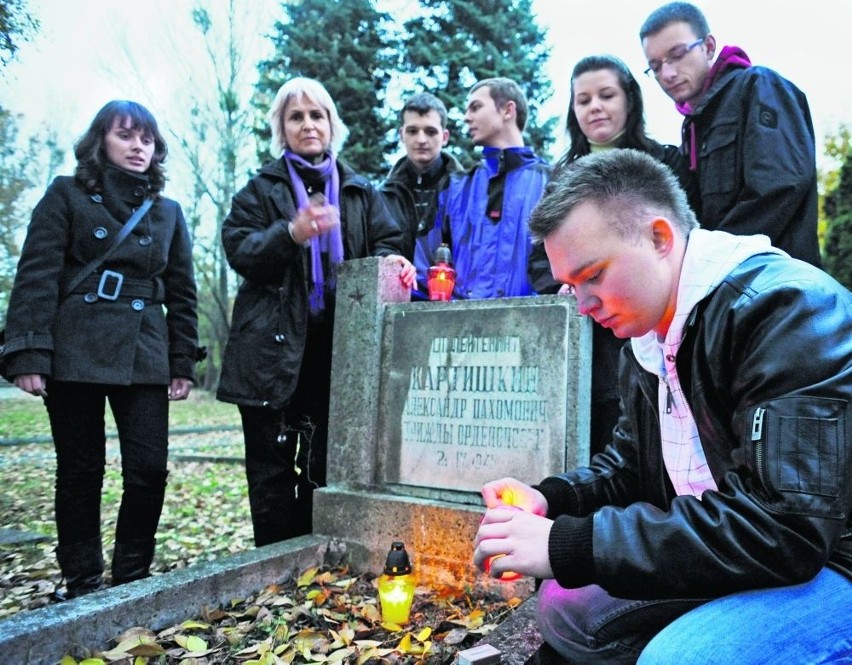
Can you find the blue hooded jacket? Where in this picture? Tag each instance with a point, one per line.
(483, 216)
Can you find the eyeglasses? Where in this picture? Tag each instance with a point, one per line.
(678, 53)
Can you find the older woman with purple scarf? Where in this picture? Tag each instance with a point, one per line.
(287, 232)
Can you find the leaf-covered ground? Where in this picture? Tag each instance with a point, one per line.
(205, 514)
(325, 616)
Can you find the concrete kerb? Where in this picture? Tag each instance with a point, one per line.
(517, 638)
(43, 636)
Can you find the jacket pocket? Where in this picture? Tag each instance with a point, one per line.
(718, 159)
(95, 342)
(799, 453)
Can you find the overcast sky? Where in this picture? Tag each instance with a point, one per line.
(78, 61)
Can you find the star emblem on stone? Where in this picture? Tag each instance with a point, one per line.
(357, 296)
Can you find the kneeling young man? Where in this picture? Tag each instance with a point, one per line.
(716, 525)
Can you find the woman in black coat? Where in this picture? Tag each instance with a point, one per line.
(287, 231)
(126, 333)
(605, 112)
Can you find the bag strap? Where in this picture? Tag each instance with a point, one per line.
(94, 264)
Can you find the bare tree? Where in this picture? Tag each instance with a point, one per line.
(210, 123)
(24, 166)
(220, 150)
(16, 25)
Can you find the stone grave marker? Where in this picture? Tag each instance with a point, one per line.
(479, 390)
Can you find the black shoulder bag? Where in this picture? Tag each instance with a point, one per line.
(87, 270)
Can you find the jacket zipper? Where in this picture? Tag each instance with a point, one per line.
(757, 438)
(669, 396)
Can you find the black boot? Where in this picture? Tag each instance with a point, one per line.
(132, 561)
(82, 566)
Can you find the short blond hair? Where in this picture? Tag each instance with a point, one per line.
(316, 92)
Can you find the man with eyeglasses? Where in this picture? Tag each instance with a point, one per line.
(747, 133)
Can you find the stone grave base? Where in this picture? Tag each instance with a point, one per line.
(438, 536)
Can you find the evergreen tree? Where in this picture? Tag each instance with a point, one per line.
(454, 43)
(346, 45)
(838, 241)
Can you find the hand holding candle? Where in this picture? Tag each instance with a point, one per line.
(511, 492)
(513, 528)
(507, 497)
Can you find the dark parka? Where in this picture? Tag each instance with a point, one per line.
(91, 339)
(766, 368)
(756, 160)
(267, 340)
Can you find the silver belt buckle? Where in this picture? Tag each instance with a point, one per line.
(104, 284)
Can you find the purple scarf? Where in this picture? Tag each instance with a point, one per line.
(330, 243)
(730, 57)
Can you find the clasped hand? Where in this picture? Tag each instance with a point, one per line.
(514, 529)
(314, 219)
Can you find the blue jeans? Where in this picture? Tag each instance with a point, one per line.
(802, 624)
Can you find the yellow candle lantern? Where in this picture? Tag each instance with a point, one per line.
(396, 585)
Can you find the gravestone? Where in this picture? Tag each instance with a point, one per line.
(430, 400)
(476, 391)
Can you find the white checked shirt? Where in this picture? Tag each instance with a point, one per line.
(710, 256)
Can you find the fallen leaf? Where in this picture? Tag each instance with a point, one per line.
(455, 636)
(319, 596)
(140, 645)
(307, 577)
(405, 643)
(189, 625)
(371, 613)
(345, 584)
(191, 642)
(136, 631)
(213, 615)
(309, 639)
(326, 577)
(370, 654)
(340, 655)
